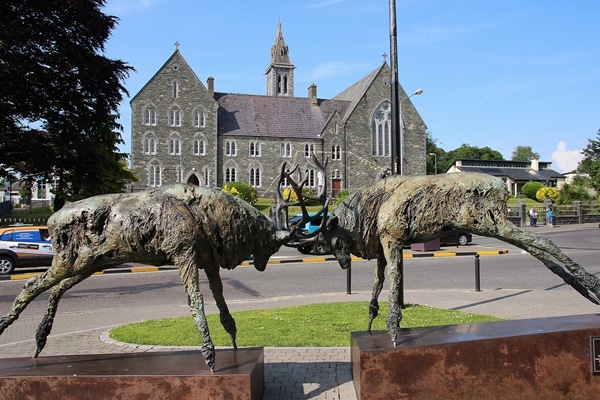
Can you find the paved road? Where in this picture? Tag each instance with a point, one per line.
(290, 373)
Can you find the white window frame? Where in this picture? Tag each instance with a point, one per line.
(149, 117)
(174, 118)
(174, 145)
(230, 148)
(255, 177)
(254, 149)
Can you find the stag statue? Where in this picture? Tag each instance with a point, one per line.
(378, 221)
(189, 226)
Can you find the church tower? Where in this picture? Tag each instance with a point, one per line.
(280, 74)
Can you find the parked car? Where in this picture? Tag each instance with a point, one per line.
(24, 246)
(309, 227)
(456, 237)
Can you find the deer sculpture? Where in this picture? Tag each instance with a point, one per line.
(189, 226)
(378, 221)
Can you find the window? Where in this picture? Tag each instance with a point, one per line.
(174, 145)
(174, 118)
(230, 174)
(286, 150)
(336, 152)
(149, 116)
(381, 130)
(175, 89)
(308, 149)
(230, 148)
(336, 128)
(206, 173)
(154, 175)
(199, 119)
(254, 149)
(285, 182)
(310, 177)
(199, 147)
(255, 177)
(149, 144)
(179, 174)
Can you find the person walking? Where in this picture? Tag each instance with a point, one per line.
(532, 217)
(550, 217)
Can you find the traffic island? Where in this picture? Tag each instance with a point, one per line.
(544, 358)
(239, 374)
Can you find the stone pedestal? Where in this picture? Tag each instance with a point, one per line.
(545, 358)
(153, 375)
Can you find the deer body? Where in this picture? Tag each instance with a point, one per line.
(189, 226)
(378, 221)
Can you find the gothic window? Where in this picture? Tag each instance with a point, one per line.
(336, 128)
(199, 119)
(230, 174)
(179, 174)
(285, 84)
(230, 148)
(309, 148)
(255, 177)
(175, 89)
(286, 150)
(381, 130)
(174, 145)
(174, 118)
(199, 147)
(310, 175)
(154, 174)
(336, 152)
(149, 144)
(254, 149)
(284, 182)
(150, 116)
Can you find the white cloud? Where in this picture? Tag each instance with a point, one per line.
(566, 160)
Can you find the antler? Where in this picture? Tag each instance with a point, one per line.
(295, 234)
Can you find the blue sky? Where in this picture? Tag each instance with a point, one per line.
(494, 73)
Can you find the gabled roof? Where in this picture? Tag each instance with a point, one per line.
(355, 92)
(181, 60)
(515, 170)
(274, 116)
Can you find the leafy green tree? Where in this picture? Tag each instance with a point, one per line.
(435, 155)
(524, 153)
(468, 152)
(570, 193)
(590, 163)
(530, 189)
(59, 96)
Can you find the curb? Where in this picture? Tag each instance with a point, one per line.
(149, 268)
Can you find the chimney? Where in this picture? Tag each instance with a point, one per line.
(312, 95)
(535, 164)
(210, 82)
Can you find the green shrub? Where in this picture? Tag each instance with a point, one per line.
(341, 196)
(570, 193)
(530, 189)
(547, 193)
(243, 190)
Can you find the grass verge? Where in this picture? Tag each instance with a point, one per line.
(316, 325)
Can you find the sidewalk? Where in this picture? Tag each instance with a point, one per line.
(293, 373)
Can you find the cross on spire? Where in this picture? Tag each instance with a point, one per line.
(384, 57)
(176, 45)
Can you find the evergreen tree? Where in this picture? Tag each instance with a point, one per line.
(591, 161)
(59, 96)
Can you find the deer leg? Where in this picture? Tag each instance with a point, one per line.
(541, 247)
(377, 287)
(216, 286)
(45, 326)
(33, 287)
(394, 257)
(189, 276)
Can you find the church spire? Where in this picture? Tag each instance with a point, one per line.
(280, 74)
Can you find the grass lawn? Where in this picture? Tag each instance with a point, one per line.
(316, 325)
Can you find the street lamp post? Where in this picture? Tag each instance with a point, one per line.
(434, 161)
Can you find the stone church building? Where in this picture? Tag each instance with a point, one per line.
(183, 130)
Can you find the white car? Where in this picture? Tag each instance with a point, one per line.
(24, 246)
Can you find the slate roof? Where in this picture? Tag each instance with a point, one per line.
(354, 93)
(517, 174)
(274, 116)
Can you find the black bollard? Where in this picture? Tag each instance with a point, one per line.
(349, 280)
(477, 274)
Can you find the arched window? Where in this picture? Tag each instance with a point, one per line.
(286, 150)
(309, 148)
(199, 119)
(230, 149)
(336, 152)
(154, 174)
(149, 116)
(199, 147)
(175, 89)
(230, 174)
(255, 177)
(179, 174)
(174, 118)
(311, 175)
(149, 144)
(254, 149)
(381, 130)
(206, 175)
(174, 145)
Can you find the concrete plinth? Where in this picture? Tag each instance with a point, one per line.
(545, 358)
(153, 375)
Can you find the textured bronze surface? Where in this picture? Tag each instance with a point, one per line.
(153, 375)
(544, 358)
